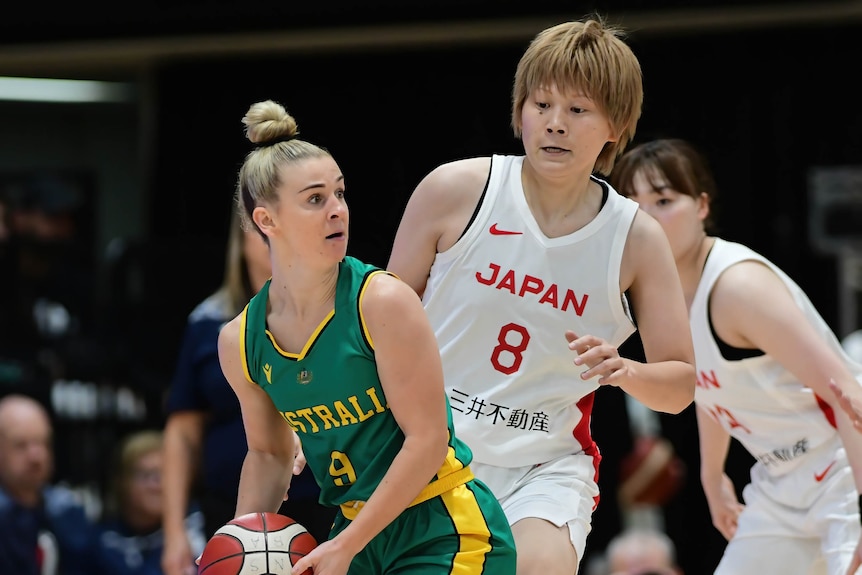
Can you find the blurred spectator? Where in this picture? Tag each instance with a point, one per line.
(204, 434)
(43, 529)
(130, 538)
(642, 552)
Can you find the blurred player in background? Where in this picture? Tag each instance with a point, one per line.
(765, 359)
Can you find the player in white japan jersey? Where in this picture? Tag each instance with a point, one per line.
(764, 358)
(521, 263)
(756, 399)
(499, 301)
(802, 474)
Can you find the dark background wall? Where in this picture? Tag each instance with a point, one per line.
(764, 88)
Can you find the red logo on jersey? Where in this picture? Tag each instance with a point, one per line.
(495, 231)
(527, 284)
(818, 477)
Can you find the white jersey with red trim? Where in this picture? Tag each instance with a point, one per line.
(758, 401)
(500, 301)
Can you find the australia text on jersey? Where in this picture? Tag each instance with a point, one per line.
(517, 418)
(523, 284)
(337, 414)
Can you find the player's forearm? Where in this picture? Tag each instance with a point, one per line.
(666, 386)
(263, 482)
(410, 472)
(714, 446)
(177, 476)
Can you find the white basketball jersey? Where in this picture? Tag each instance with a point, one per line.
(500, 301)
(756, 400)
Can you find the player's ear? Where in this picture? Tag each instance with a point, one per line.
(264, 221)
(702, 206)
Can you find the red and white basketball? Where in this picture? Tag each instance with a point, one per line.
(256, 544)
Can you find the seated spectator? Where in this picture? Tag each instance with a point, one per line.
(131, 539)
(43, 529)
(642, 552)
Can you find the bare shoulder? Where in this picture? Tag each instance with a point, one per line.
(453, 182)
(388, 296)
(647, 251)
(229, 334)
(749, 285)
(645, 229)
(391, 306)
(646, 239)
(461, 172)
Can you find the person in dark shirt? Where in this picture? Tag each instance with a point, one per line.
(44, 529)
(131, 539)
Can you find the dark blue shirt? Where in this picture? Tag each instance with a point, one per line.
(56, 538)
(121, 551)
(199, 385)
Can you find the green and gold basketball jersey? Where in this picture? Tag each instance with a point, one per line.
(330, 394)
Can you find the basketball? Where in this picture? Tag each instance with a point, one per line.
(651, 474)
(256, 544)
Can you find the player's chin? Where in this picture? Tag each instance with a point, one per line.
(337, 248)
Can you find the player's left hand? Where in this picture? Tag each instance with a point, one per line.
(601, 358)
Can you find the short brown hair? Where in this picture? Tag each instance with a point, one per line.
(591, 57)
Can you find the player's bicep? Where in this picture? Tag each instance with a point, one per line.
(415, 244)
(752, 307)
(438, 212)
(408, 359)
(656, 293)
(265, 429)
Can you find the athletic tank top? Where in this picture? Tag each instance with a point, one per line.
(331, 395)
(760, 403)
(500, 301)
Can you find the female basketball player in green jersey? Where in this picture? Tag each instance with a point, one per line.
(342, 353)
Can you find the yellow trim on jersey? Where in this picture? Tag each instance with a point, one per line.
(359, 305)
(242, 353)
(312, 338)
(351, 509)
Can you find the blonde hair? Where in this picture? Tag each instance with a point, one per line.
(591, 57)
(275, 131)
(131, 449)
(236, 288)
